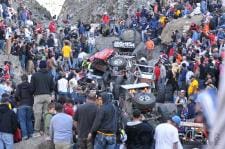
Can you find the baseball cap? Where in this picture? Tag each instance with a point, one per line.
(182, 91)
(176, 119)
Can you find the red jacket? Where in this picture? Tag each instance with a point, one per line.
(157, 72)
(105, 19)
(171, 52)
(52, 27)
(212, 39)
(6, 72)
(68, 109)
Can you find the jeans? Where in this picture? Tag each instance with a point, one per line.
(143, 35)
(77, 98)
(2, 45)
(63, 94)
(6, 141)
(201, 84)
(53, 73)
(76, 62)
(23, 61)
(91, 48)
(67, 63)
(105, 142)
(25, 114)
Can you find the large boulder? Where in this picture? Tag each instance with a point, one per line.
(178, 24)
(140, 50)
(131, 36)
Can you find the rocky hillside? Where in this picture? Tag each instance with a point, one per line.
(91, 10)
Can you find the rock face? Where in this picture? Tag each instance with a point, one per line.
(39, 12)
(180, 24)
(53, 6)
(92, 10)
(86, 10)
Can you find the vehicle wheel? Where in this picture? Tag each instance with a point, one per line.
(118, 62)
(144, 100)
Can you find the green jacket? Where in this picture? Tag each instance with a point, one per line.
(47, 120)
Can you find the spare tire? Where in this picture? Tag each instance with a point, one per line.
(118, 61)
(144, 100)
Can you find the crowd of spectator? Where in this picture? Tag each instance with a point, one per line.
(49, 100)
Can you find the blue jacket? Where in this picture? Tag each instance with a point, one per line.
(203, 6)
(23, 16)
(154, 24)
(195, 36)
(221, 35)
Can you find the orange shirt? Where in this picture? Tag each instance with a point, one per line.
(178, 58)
(150, 45)
(205, 28)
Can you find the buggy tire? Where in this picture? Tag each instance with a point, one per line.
(118, 62)
(144, 100)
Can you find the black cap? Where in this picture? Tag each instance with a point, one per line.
(42, 64)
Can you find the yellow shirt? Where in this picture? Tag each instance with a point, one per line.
(193, 87)
(162, 20)
(177, 13)
(66, 50)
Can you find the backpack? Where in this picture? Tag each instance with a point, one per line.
(17, 136)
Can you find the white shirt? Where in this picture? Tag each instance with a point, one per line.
(63, 85)
(189, 41)
(91, 40)
(8, 32)
(72, 84)
(27, 33)
(188, 76)
(165, 136)
(82, 55)
(162, 71)
(185, 62)
(7, 88)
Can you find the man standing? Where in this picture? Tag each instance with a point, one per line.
(140, 135)
(84, 119)
(61, 128)
(62, 85)
(67, 53)
(42, 85)
(8, 125)
(105, 124)
(193, 86)
(25, 98)
(166, 134)
(162, 77)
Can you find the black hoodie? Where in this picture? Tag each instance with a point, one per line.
(8, 120)
(140, 135)
(24, 94)
(106, 118)
(42, 82)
